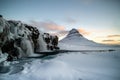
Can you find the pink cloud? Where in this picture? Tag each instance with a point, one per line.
(60, 33)
(111, 36)
(110, 40)
(84, 32)
(48, 26)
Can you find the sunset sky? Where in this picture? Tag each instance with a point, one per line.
(97, 20)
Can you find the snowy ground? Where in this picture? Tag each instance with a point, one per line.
(67, 66)
(86, 65)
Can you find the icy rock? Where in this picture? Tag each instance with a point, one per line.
(20, 40)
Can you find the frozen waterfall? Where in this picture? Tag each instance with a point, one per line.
(41, 44)
(22, 40)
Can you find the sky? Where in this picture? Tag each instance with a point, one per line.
(97, 20)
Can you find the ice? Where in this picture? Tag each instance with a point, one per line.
(95, 66)
(51, 70)
(27, 47)
(3, 57)
(47, 70)
(2, 24)
(71, 65)
(21, 38)
(42, 44)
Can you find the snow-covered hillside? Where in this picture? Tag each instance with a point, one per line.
(75, 41)
(86, 65)
(74, 37)
(67, 66)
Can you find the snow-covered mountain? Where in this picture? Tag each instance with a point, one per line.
(74, 37)
(76, 41)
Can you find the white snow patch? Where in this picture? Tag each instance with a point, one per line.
(48, 70)
(94, 66)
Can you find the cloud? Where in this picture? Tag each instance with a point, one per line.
(60, 33)
(84, 32)
(111, 36)
(110, 40)
(47, 26)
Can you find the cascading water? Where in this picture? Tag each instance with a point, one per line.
(20, 40)
(41, 44)
(27, 47)
(3, 57)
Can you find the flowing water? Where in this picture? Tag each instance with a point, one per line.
(41, 44)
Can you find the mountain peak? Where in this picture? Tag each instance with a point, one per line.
(74, 32)
(75, 38)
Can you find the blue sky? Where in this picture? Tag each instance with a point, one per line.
(99, 18)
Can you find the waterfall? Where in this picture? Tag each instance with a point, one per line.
(41, 44)
(27, 48)
(3, 57)
(20, 40)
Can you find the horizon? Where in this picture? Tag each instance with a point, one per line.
(97, 20)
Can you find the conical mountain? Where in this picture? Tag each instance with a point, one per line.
(76, 41)
(76, 38)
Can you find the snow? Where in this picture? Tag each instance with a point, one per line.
(42, 44)
(3, 57)
(76, 41)
(74, 32)
(95, 66)
(71, 65)
(47, 70)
